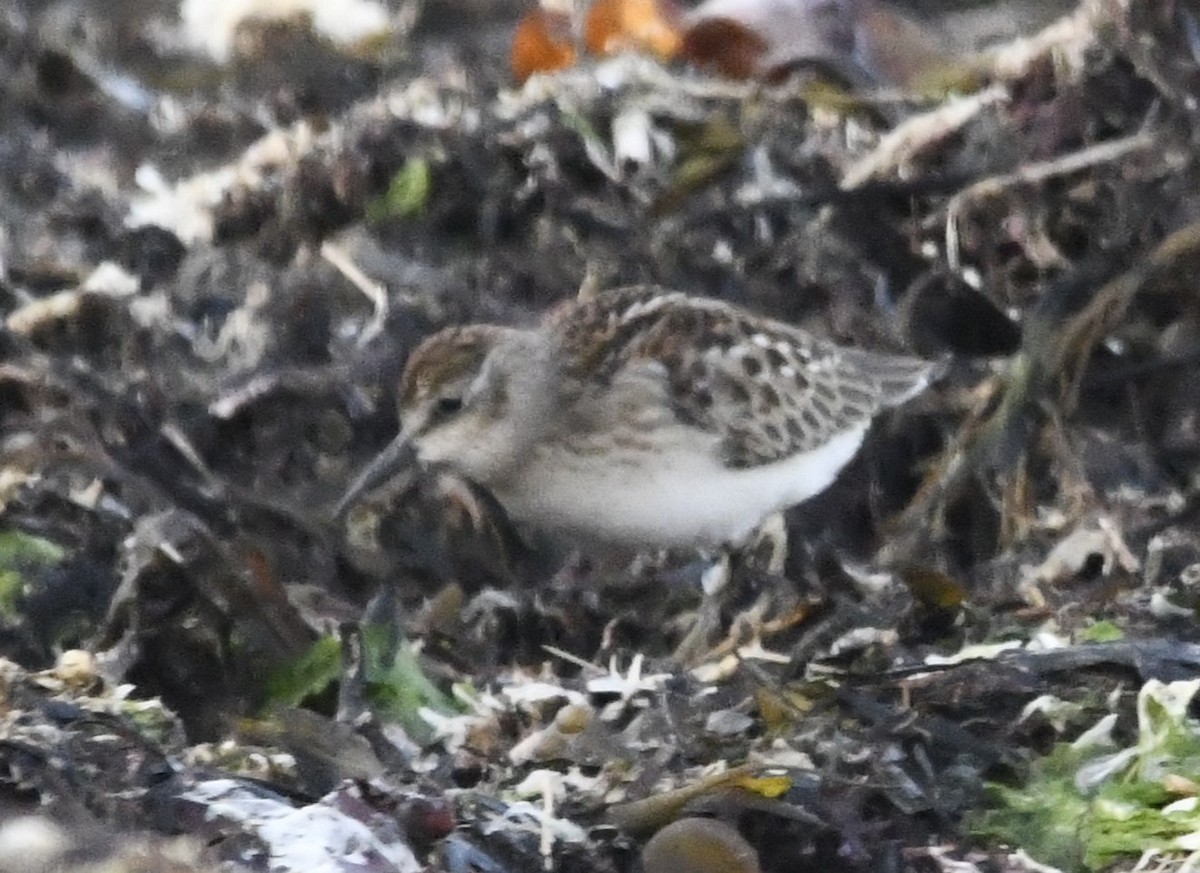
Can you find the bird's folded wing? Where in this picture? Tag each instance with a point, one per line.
(767, 390)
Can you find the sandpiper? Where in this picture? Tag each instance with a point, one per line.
(641, 418)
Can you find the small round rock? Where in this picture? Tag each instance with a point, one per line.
(699, 845)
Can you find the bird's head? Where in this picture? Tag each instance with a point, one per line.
(471, 399)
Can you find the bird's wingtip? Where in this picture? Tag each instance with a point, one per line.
(901, 378)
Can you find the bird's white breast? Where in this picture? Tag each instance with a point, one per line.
(673, 493)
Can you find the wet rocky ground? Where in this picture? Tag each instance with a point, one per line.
(219, 244)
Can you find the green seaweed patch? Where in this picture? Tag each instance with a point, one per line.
(398, 688)
(154, 721)
(407, 194)
(1101, 632)
(310, 677)
(22, 556)
(1090, 804)
(395, 684)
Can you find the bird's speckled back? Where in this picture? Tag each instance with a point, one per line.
(767, 389)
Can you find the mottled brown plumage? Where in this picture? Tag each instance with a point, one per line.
(444, 356)
(644, 417)
(768, 389)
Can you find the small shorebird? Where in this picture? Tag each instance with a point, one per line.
(641, 419)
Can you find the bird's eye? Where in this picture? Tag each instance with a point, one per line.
(449, 405)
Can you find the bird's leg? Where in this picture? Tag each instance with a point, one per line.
(769, 546)
(764, 554)
(718, 576)
(703, 632)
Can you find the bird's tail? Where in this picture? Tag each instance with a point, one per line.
(900, 378)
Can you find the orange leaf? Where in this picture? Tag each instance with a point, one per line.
(725, 46)
(614, 26)
(760, 37)
(542, 43)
